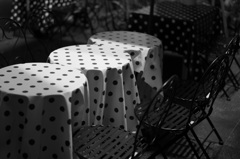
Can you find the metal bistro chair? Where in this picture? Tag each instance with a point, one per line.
(105, 142)
(192, 103)
(14, 47)
(172, 120)
(200, 96)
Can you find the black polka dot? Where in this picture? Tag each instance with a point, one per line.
(6, 113)
(119, 71)
(8, 128)
(116, 110)
(31, 142)
(21, 113)
(152, 67)
(115, 82)
(20, 101)
(62, 128)
(43, 131)
(55, 156)
(75, 124)
(131, 117)
(110, 93)
(83, 122)
(87, 110)
(101, 105)
(9, 155)
(96, 78)
(6, 99)
(76, 102)
(120, 99)
(21, 126)
(98, 118)
(112, 120)
(25, 155)
(44, 148)
(52, 118)
(129, 92)
(51, 100)
(153, 77)
(76, 113)
(31, 106)
(131, 76)
(69, 121)
(38, 127)
(8, 142)
(62, 109)
(53, 137)
(67, 143)
(96, 89)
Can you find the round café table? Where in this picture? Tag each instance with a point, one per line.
(112, 83)
(41, 104)
(146, 52)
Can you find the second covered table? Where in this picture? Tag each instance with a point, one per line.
(112, 84)
(145, 50)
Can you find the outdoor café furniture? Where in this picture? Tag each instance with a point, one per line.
(185, 29)
(146, 52)
(41, 105)
(112, 83)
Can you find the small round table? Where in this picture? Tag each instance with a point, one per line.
(112, 83)
(41, 105)
(146, 52)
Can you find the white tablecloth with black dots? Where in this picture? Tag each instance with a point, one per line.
(145, 50)
(41, 104)
(112, 83)
(182, 28)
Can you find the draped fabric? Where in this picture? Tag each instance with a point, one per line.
(21, 8)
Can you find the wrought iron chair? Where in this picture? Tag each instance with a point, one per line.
(200, 96)
(14, 47)
(192, 103)
(172, 120)
(111, 142)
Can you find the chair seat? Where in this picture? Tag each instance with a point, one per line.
(98, 141)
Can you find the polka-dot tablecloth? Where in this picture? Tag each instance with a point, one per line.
(41, 104)
(112, 83)
(180, 28)
(145, 50)
(21, 8)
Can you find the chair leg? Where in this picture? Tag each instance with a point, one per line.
(192, 147)
(225, 93)
(234, 79)
(200, 144)
(231, 78)
(216, 132)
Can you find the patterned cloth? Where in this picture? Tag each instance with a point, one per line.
(21, 8)
(181, 28)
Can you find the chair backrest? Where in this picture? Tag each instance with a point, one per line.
(232, 48)
(210, 84)
(14, 47)
(156, 111)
